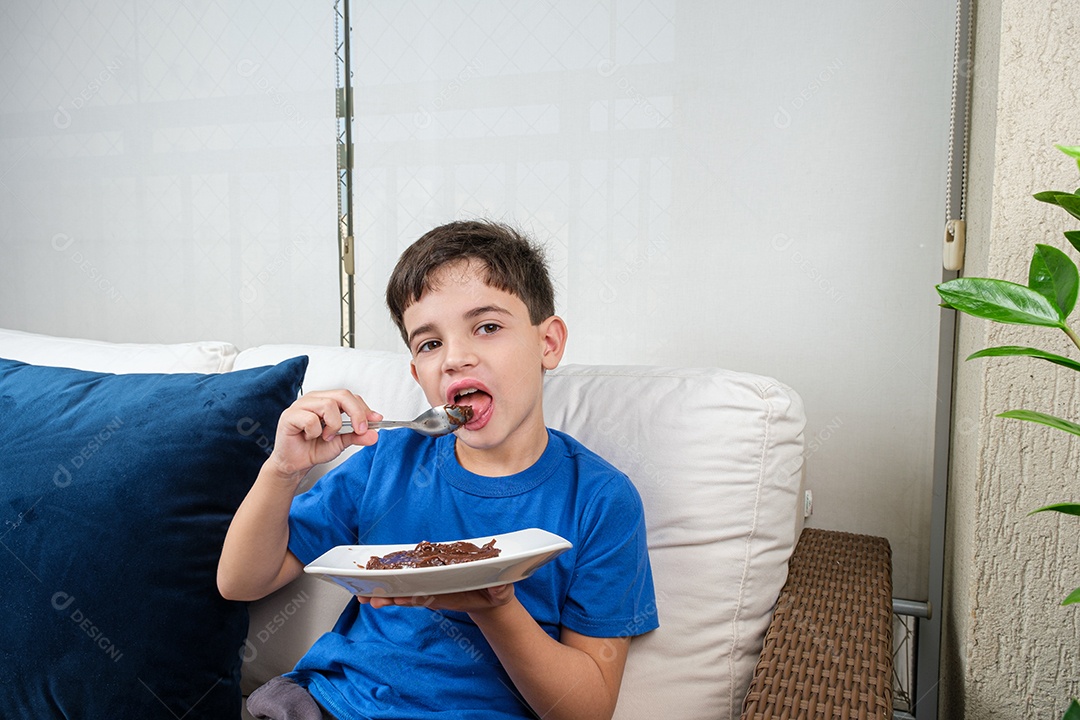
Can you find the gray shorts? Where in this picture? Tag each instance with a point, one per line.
(283, 699)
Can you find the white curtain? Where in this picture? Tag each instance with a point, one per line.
(754, 186)
(758, 186)
(167, 170)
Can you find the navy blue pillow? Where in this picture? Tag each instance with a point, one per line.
(115, 495)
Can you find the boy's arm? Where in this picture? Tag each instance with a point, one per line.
(255, 558)
(577, 677)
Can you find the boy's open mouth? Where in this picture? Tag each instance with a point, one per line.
(477, 399)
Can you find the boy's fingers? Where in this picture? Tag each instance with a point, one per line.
(335, 403)
(324, 412)
(302, 421)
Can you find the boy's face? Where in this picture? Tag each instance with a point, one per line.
(473, 344)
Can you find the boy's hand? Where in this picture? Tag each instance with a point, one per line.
(307, 431)
(471, 601)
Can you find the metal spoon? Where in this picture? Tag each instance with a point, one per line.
(434, 422)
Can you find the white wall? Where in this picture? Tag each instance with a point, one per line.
(1010, 648)
(755, 186)
(168, 170)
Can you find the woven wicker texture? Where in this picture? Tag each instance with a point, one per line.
(828, 651)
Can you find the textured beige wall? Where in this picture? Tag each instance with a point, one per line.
(1010, 650)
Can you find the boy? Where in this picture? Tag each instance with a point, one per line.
(475, 306)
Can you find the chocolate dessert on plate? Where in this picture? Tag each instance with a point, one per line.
(429, 554)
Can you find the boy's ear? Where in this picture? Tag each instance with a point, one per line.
(553, 334)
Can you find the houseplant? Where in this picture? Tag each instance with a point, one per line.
(1046, 301)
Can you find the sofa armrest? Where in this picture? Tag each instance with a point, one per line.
(828, 650)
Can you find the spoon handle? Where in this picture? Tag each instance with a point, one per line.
(346, 425)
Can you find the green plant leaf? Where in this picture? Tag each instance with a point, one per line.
(1073, 236)
(1073, 713)
(1070, 203)
(1072, 151)
(1074, 597)
(1042, 419)
(1000, 301)
(1068, 508)
(1050, 196)
(1018, 351)
(1054, 276)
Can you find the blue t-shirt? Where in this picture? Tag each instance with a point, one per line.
(415, 663)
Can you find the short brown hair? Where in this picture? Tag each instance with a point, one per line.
(513, 262)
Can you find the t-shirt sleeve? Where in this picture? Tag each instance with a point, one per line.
(611, 593)
(325, 516)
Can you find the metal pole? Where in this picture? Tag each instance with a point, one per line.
(346, 240)
(928, 663)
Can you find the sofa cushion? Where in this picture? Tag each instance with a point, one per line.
(115, 495)
(717, 458)
(98, 356)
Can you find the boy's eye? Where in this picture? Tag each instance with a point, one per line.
(427, 346)
(489, 328)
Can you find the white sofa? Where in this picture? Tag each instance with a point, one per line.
(716, 456)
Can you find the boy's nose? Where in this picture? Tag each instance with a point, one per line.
(460, 354)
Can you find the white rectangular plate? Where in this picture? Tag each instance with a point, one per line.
(523, 552)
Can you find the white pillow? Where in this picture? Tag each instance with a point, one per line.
(717, 458)
(98, 356)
